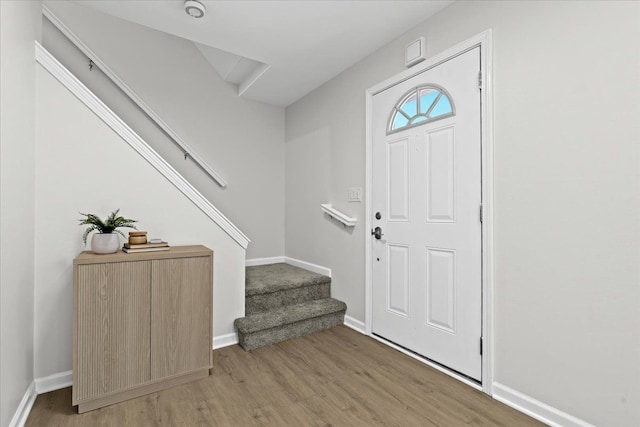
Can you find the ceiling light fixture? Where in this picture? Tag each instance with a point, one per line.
(194, 8)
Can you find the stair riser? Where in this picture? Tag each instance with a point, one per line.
(260, 303)
(275, 335)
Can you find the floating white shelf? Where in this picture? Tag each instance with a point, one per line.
(339, 216)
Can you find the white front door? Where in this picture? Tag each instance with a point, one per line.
(426, 198)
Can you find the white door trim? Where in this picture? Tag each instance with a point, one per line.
(484, 40)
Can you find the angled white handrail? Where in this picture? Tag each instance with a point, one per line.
(134, 97)
(68, 80)
(338, 215)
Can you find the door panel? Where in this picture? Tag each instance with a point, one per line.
(441, 289)
(426, 183)
(440, 165)
(398, 280)
(180, 316)
(113, 308)
(398, 180)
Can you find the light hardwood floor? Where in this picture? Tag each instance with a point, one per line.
(336, 377)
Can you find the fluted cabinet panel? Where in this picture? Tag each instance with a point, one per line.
(180, 315)
(113, 330)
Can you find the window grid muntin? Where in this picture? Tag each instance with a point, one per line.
(417, 93)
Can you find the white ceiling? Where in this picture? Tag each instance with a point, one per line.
(278, 51)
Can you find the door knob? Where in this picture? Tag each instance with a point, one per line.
(377, 233)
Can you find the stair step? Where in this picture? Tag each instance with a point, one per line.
(292, 321)
(260, 303)
(288, 314)
(270, 287)
(266, 279)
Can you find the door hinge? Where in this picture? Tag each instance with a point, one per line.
(480, 346)
(481, 213)
(479, 79)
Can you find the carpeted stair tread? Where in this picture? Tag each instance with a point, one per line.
(271, 336)
(274, 300)
(265, 279)
(284, 302)
(288, 314)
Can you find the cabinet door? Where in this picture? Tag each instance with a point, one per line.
(180, 315)
(112, 328)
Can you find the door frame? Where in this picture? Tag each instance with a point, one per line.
(484, 41)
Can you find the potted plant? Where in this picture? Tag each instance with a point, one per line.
(105, 241)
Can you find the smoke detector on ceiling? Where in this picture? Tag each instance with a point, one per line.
(194, 8)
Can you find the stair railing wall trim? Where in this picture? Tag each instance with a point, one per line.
(68, 80)
(189, 152)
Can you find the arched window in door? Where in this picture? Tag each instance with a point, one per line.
(419, 106)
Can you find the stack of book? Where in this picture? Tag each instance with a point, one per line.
(145, 247)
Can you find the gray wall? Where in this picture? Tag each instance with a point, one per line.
(567, 192)
(19, 27)
(241, 139)
(78, 174)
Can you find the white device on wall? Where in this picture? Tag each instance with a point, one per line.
(415, 52)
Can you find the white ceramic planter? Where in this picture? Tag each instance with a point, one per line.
(102, 243)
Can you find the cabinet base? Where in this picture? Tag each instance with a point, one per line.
(120, 396)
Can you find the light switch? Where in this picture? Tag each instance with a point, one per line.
(354, 194)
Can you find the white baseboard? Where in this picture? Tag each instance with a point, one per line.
(535, 409)
(264, 261)
(225, 340)
(354, 324)
(24, 408)
(54, 382)
(308, 266)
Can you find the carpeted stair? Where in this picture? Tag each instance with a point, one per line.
(284, 302)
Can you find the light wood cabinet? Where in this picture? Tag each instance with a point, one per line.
(180, 322)
(142, 322)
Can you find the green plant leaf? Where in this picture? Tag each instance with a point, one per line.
(112, 224)
(87, 231)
